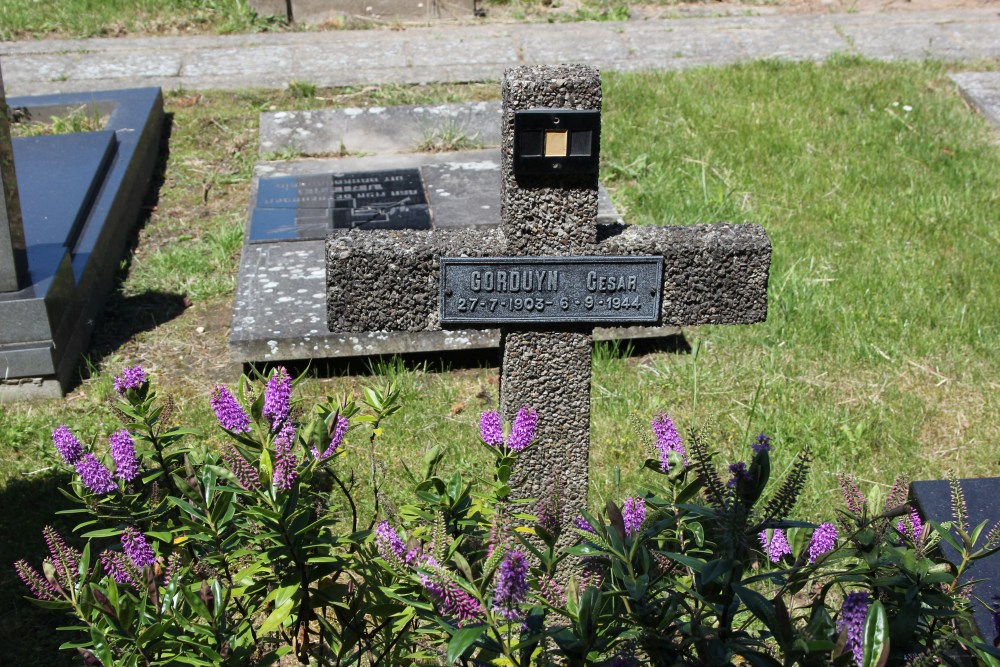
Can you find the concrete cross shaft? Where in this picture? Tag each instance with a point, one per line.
(389, 281)
(13, 258)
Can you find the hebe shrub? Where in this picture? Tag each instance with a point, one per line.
(248, 548)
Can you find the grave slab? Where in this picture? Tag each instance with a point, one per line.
(933, 499)
(982, 90)
(80, 196)
(279, 312)
(378, 130)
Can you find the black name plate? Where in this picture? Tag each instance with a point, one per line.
(491, 291)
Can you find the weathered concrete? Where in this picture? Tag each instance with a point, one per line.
(320, 12)
(481, 52)
(982, 89)
(379, 130)
(933, 500)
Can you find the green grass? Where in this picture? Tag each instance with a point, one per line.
(20, 19)
(879, 352)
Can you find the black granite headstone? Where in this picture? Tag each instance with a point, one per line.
(933, 500)
(80, 195)
(13, 257)
(58, 177)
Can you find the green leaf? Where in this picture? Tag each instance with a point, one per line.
(876, 642)
(764, 611)
(946, 536)
(105, 532)
(192, 511)
(695, 564)
(455, 486)
(277, 617)
(462, 640)
(715, 569)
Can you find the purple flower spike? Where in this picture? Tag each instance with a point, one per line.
(823, 539)
(523, 431)
(69, 447)
(119, 569)
(64, 558)
(911, 526)
(450, 599)
(137, 548)
(132, 377)
(778, 547)
(491, 428)
(511, 585)
(583, 524)
(247, 475)
(228, 411)
(634, 513)
(94, 475)
(338, 436)
(284, 458)
(740, 474)
(667, 440)
(852, 494)
(34, 580)
(277, 398)
(853, 614)
(763, 444)
(123, 453)
(389, 545)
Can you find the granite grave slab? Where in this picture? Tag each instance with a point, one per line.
(280, 308)
(379, 130)
(80, 194)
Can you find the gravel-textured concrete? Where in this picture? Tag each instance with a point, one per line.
(389, 281)
(549, 371)
(481, 52)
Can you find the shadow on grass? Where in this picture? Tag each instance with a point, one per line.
(443, 362)
(125, 316)
(28, 633)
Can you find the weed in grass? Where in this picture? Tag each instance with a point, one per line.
(293, 152)
(603, 10)
(447, 137)
(84, 118)
(302, 89)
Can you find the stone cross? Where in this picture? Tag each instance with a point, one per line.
(13, 258)
(391, 281)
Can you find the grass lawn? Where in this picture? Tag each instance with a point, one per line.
(879, 189)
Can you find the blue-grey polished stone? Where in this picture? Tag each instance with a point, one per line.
(81, 195)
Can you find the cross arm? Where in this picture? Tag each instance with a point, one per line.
(389, 281)
(712, 274)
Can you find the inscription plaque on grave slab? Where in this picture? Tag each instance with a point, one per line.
(488, 291)
(297, 207)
